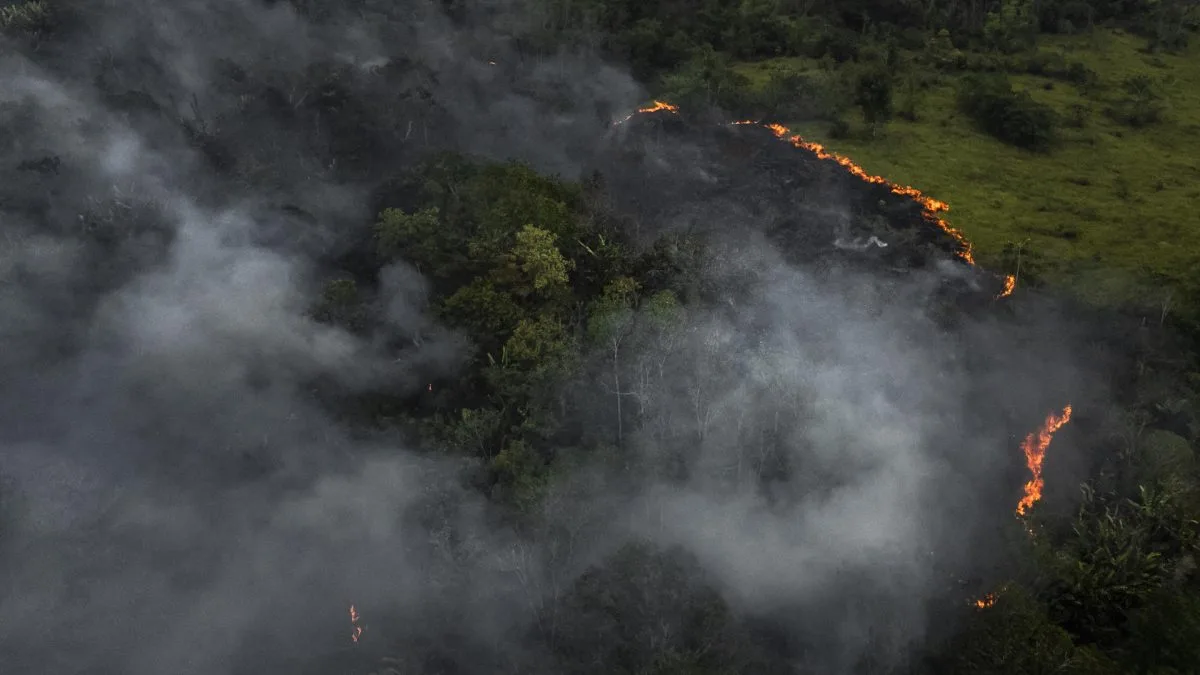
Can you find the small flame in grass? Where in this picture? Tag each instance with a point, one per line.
(358, 630)
(986, 601)
(1010, 284)
(658, 106)
(1034, 448)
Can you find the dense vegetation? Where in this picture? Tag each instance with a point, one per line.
(579, 319)
(1109, 588)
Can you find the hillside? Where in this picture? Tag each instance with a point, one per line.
(1109, 213)
(393, 337)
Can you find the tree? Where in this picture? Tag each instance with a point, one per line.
(486, 312)
(873, 94)
(341, 305)
(707, 79)
(520, 474)
(1142, 104)
(1012, 27)
(653, 612)
(543, 269)
(1122, 552)
(421, 238)
(533, 364)
(31, 18)
(476, 432)
(1010, 116)
(609, 324)
(1165, 634)
(1014, 636)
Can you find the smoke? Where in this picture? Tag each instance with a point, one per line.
(180, 177)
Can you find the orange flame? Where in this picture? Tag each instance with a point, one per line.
(986, 601)
(1035, 455)
(658, 106)
(358, 630)
(930, 207)
(1010, 284)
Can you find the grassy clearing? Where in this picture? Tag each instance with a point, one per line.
(1111, 213)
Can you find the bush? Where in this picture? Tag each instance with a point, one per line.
(708, 80)
(1049, 64)
(1010, 116)
(1080, 74)
(792, 95)
(31, 18)
(839, 128)
(839, 43)
(1077, 116)
(873, 95)
(911, 97)
(1142, 104)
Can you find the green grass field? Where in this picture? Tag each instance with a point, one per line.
(1111, 213)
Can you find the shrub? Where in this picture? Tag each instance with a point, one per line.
(27, 17)
(839, 128)
(1078, 73)
(840, 43)
(1049, 64)
(1077, 116)
(1141, 105)
(793, 95)
(1010, 116)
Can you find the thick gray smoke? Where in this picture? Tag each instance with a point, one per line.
(178, 500)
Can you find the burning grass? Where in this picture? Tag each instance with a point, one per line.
(1103, 214)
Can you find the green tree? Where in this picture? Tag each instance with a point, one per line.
(1014, 636)
(1121, 552)
(341, 305)
(504, 198)
(873, 94)
(1010, 116)
(1164, 635)
(477, 432)
(30, 18)
(422, 239)
(486, 312)
(533, 365)
(1142, 102)
(610, 323)
(1012, 27)
(707, 79)
(543, 269)
(520, 474)
(652, 612)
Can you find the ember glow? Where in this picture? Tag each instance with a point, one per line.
(354, 616)
(986, 601)
(1035, 455)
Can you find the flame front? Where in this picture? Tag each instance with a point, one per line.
(354, 616)
(930, 207)
(657, 106)
(1034, 448)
